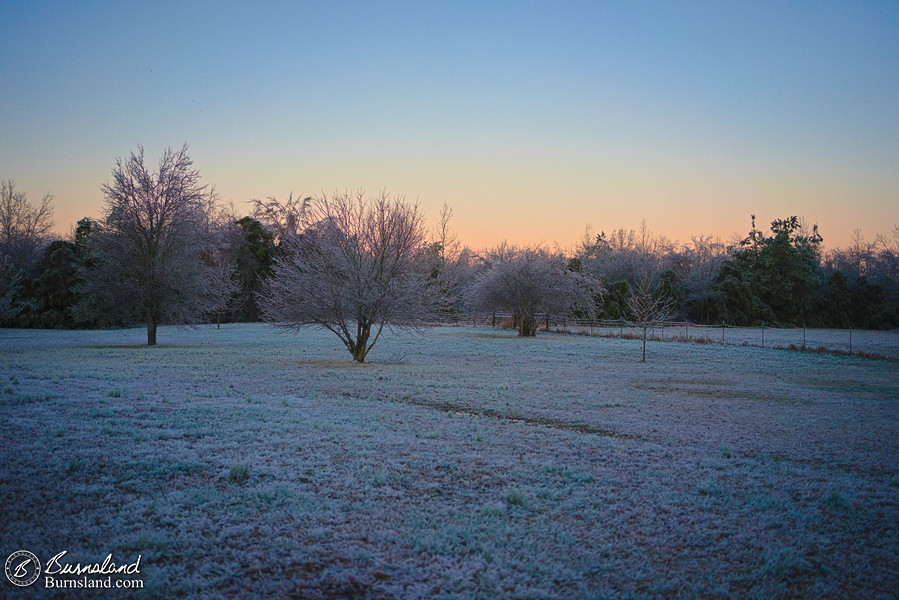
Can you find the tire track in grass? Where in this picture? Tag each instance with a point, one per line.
(489, 413)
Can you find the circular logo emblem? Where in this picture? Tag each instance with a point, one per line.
(22, 568)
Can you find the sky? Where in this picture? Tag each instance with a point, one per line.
(531, 120)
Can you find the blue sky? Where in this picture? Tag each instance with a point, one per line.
(531, 119)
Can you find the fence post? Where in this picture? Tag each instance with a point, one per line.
(722, 333)
(850, 340)
(763, 336)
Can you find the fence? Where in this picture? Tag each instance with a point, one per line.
(851, 341)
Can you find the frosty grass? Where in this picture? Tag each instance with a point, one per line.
(459, 463)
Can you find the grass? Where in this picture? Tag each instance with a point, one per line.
(836, 501)
(239, 473)
(838, 352)
(74, 465)
(479, 466)
(493, 509)
(515, 497)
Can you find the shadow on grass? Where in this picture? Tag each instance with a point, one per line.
(141, 346)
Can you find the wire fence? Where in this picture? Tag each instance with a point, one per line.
(849, 341)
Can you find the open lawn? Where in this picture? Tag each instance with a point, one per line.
(459, 463)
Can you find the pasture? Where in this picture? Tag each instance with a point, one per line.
(458, 463)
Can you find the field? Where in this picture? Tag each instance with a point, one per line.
(884, 344)
(459, 463)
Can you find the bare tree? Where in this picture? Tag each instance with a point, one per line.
(445, 236)
(622, 254)
(356, 268)
(888, 255)
(284, 219)
(24, 227)
(857, 260)
(150, 261)
(699, 264)
(222, 235)
(531, 281)
(448, 265)
(648, 308)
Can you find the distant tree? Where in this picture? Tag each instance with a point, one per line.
(357, 267)
(701, 262)
(861, 286)
(859, 259)
(886, 260)
(531, 281)
(624, 254)
(836, 308)
(24, 227)
(444, 244)
(738, 303)
(672, 287)
(283, 219)
(779, 277)
(147, 261)
(49, 296)
(255, 260)
(220, 254)
(24, 231)
(9, 284)
(649, 308)
(781, 270)
(614, 300)
(47, 293)
(887, 268)
(449, 265)
(84, 231)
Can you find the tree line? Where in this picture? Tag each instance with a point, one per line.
(167, 250)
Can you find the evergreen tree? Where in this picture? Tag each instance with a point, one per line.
(49, 296)
(255, 259)
(773, 277)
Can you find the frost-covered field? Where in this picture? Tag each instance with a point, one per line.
(460, 463)
(883, 343)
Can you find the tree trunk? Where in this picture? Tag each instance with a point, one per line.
(644, 346)
(527, 326)
(151, 330)
(359, 354)
(361, 348)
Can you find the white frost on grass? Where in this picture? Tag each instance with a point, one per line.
(467, 463)
(868, 341)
